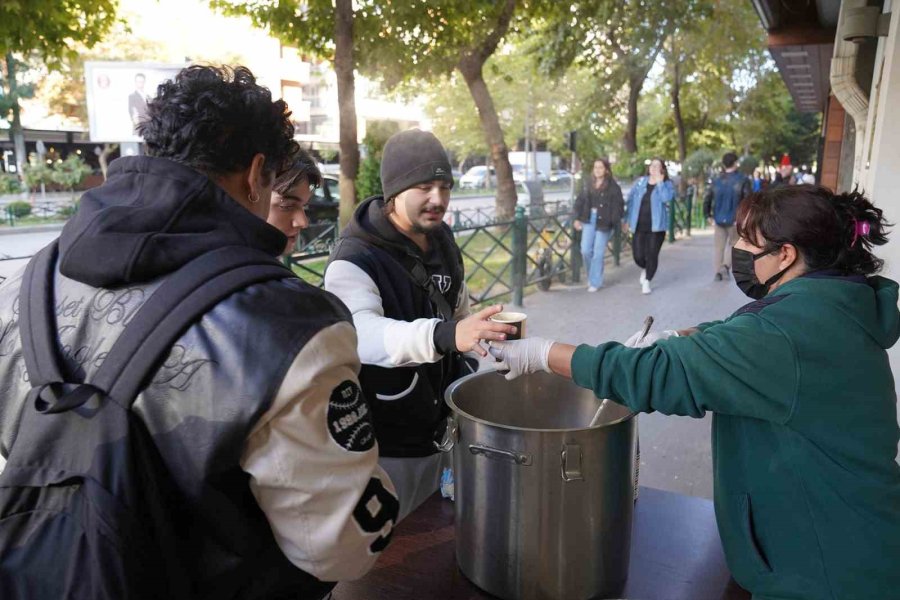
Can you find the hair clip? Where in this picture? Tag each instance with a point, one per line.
(860, 229)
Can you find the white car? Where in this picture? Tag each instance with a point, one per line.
(478, 177)
(519, 174)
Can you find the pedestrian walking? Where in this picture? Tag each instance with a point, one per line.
(720, 204)
(648, 218)
(807, 489)
(784, 175)
(759, 182)
(598, 209)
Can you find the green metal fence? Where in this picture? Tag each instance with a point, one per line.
(505, 257)
(685, 214)
(502, 257)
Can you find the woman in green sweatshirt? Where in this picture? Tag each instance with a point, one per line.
(805, 435)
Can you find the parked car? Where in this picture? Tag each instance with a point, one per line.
(519, 174)
(478, 177)
(560, 177)
(322, 212)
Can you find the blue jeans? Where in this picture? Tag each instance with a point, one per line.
(593, 249)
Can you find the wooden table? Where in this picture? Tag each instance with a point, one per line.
(675, 555)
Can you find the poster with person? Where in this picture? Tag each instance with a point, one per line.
(117, 96)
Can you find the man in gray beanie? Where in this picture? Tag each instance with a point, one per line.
(398, 269)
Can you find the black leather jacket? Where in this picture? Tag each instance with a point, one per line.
(218, 379)
(609, 204)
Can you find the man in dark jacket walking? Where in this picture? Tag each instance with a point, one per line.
(398, 269)
(720, 205)
(256, 412)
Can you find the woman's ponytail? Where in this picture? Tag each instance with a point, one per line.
(864, 227)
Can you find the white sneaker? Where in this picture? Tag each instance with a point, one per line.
(593, 289)
(643, 278)
(645, 287)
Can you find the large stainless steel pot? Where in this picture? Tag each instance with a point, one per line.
(543, 503)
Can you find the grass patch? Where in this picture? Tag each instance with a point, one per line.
(312, 271)
(33, 220)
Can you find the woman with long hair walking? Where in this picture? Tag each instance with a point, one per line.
(648, 218)
(598, 208)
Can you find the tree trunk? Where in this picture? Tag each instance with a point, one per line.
(679, 120)
(15, 133)
(490, 122)
(108, 149)
(636, 77)
(343, 67)
(470, 64)
(629, 139)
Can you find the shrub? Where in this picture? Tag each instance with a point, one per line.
(368, 182)
(68, 210)
(700, 164)
(9, 184)
(19, 209)
(70, 172)
(36, 173)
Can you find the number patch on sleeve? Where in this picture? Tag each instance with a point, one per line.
(375, 509)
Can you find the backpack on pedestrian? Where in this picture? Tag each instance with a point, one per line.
(88, 509)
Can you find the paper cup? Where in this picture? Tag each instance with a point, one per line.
(512, 318)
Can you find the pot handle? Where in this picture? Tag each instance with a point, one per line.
(451, 435)
(571, 463)
(514, 457)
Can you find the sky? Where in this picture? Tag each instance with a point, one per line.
(190, 29)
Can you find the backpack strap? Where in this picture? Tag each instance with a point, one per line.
(416, 270)
(37, 319)
(182, 299)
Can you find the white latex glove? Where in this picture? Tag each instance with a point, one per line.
(519, 357)
(650, 339)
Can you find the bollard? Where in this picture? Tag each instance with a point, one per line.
(617, 245)
(519, 247)
(690, 212)
(672, 221)
(575, 253)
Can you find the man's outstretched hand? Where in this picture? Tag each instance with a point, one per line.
(474, 328)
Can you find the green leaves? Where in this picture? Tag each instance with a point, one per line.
(51, 28)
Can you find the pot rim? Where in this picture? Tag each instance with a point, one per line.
(457, 410)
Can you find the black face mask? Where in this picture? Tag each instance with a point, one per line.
(742, 263)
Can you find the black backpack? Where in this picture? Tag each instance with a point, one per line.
(87, 508)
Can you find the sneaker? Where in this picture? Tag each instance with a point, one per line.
(643, 278)
(645, 287)
(718, 277)
(593, 289)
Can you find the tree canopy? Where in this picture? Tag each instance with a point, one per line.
(51, 28)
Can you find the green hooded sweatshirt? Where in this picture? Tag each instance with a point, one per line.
(804, 437)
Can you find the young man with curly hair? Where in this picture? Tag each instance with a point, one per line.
(256, 413)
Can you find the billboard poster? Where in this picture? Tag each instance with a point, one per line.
(117, 96)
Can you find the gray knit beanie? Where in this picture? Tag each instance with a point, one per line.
(412, 157)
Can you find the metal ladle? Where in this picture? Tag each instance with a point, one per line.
(648, 323)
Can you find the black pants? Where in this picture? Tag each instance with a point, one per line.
(645, 248)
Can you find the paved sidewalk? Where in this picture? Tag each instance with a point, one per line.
(675, 451)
